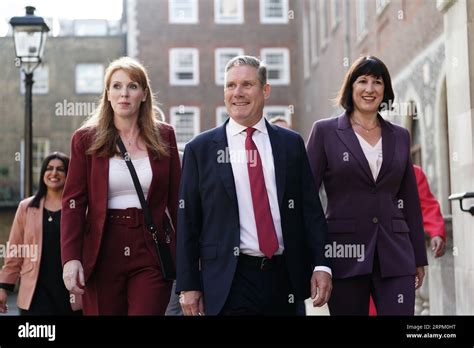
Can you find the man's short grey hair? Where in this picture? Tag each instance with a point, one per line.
(250, 61)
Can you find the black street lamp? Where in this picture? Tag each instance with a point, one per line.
(29, 33)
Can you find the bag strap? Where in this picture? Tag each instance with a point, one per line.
(146, 210)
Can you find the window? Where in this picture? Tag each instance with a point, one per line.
(221, 115)
(229, 11)
(273, 11)
(186, 121)
(275, 111)
(41, 80)
(335, 13)
(222, 57)
(278, 65)
(90, 27)
(89, 78)
(184, 67)
(361, 19)
(380, 5)
(323, 22)
(183, 11)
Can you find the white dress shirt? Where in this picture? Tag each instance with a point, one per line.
(236, 136)
(373, 154)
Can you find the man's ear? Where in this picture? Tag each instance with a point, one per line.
(266, 91)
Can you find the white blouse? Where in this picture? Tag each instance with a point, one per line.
(373, 154)
(122, 193)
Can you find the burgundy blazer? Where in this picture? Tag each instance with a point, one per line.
(382, 215)
(85, 197)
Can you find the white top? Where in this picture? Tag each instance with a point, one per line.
(373, 154)
(236, 136)
(122, 193)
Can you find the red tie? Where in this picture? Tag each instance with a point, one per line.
(267, 238)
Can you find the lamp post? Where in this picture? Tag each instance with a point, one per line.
(29, 34)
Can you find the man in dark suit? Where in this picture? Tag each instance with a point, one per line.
(251, 229)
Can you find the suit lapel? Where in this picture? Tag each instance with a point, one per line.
(388, 147)
(279, 159)
(224, 167)
(348, 137)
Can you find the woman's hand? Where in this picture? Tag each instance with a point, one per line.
(420, 274)
(73, 276)
(3, 301)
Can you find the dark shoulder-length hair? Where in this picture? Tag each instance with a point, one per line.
(366, 65)
(42, 189)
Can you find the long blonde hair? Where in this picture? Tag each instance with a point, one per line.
(102, 120)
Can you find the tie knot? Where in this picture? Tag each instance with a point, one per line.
(250, 131)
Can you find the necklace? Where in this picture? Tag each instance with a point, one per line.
(49, 213)
(366, 129)
(131, 140)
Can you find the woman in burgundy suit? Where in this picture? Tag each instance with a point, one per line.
(375, 238)
(107, 252)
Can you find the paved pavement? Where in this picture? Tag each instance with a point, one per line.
(310, 310)
(12, 308)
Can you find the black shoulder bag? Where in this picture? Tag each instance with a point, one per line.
(162, 248)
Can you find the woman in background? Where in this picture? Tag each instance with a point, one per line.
(35, 231)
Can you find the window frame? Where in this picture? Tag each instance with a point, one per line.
(173, 69)
(272, 20)
(175, 111)
(221, 20)
(88, 89)
(285, 108)
(286, 80)
(194, 19)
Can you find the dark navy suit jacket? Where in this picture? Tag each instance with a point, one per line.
(208, 219)
(384, 214)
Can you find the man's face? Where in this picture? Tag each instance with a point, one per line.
(244, 95)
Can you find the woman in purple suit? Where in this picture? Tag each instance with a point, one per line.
(375, 240)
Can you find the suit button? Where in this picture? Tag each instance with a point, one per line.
(374, 190)
(375, 220)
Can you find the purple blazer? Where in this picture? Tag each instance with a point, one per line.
(364, 215)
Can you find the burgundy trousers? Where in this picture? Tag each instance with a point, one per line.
(127, 279)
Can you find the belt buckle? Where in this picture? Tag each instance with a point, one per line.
(265, 264)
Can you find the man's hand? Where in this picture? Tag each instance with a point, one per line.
(3, 301)
(437, 246)
(321, 287)
(192, 302)
(73, 277)
(420, 274)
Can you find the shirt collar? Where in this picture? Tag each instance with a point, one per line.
(236, 128)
